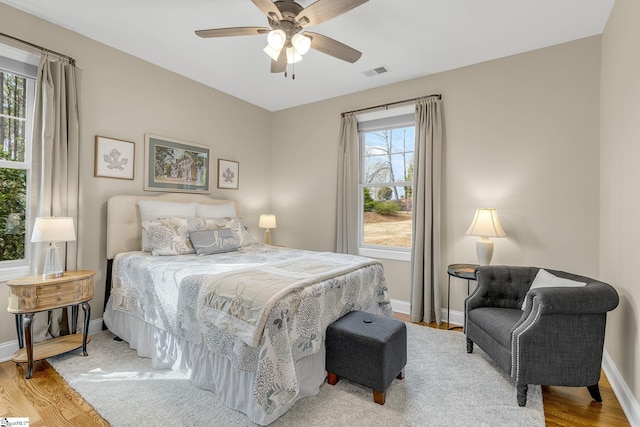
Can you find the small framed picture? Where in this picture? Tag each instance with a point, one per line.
(174, 165)
(114, 158)
(228, 174)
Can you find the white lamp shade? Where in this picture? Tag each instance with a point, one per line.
(293, 55)
(301, 43)
(486, 224)
(53, 229)
(276, 39)
(272, 52)
(267, 221)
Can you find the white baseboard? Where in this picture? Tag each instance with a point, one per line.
(399, 306)
(625, 396)
(8, 348)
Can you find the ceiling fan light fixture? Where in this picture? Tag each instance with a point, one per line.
(273, 53)
(293, 55)
(277, 39)
(301, 43)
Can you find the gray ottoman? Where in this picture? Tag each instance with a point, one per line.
(367, 349)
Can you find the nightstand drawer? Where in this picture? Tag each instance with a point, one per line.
(57, 299)
(59, 288)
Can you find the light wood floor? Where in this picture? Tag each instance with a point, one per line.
(47, 400)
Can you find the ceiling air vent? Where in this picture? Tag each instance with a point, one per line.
(376, 71)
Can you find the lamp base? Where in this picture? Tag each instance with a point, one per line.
(53, 262)
(484, 250)
(267, 237)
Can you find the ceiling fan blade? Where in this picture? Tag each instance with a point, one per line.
(333, 47)
(268, 8)
(235, 31)
(323, 10)
(280, 65)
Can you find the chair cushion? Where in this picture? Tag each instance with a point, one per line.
(496, 322)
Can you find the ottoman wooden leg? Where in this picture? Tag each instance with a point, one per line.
(401, 375)
(332, 378)
(379, 396)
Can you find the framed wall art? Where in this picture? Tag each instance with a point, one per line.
(173, 165)
(114, 158)
(228, 174)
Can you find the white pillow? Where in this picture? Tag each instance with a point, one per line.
(544, 279)
(226, 210)
(151, 209)
(154, 210)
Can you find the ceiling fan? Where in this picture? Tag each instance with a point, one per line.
(285, 37)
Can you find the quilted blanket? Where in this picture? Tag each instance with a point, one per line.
(239, 301)
(191, 297)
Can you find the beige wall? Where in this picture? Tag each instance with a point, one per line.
(521, 135)
(123, 97)
(619, 180)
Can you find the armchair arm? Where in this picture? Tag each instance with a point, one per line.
(595, 297)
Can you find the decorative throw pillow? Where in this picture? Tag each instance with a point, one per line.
(207, 242)
(235, 224)
(544, 279)
(153, 209)
(170, 236)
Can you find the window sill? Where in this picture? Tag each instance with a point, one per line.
(14, 272)
(385, 254)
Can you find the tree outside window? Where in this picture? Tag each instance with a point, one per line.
(13, 166)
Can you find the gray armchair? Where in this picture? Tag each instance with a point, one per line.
(557, 340)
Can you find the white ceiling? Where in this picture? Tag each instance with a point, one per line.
(412, 38)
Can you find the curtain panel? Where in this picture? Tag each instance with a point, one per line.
(425, 251)
(55, 165)
(348, 184)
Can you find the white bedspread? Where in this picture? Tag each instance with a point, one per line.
(185, 296)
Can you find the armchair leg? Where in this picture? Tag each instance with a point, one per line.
(594, 391)
(469, 346)
(521, 394)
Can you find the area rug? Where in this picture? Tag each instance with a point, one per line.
(443, 386)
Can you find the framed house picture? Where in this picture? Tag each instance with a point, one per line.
(228, 174)
(114, 158)
(173, 165)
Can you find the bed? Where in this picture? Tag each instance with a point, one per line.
(248, 324)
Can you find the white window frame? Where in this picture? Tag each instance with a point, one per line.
(24, 64)
(391, 118)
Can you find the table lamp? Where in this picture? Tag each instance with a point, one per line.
(485, 224)
(267, 221)
(53, 230)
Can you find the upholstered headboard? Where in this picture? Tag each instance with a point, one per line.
(124, 230)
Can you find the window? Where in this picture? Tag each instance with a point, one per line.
(17, 93)
(386, 185)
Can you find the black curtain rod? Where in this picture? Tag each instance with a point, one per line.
(71, 60)
(389, 104)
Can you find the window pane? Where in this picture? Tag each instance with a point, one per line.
(13, 113)
(13, 190)
(388, 155)
(387, 216)
(12, 133)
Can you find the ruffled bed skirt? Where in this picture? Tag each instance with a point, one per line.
(209, 371)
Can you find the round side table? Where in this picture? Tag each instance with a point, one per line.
(462, 271)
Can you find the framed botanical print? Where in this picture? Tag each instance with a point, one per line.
(228, 174)
(114, 158)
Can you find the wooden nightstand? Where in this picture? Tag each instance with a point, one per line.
(30, 295)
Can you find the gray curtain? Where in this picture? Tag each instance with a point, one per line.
(348, 183)
(425, 251)
(54, 175)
